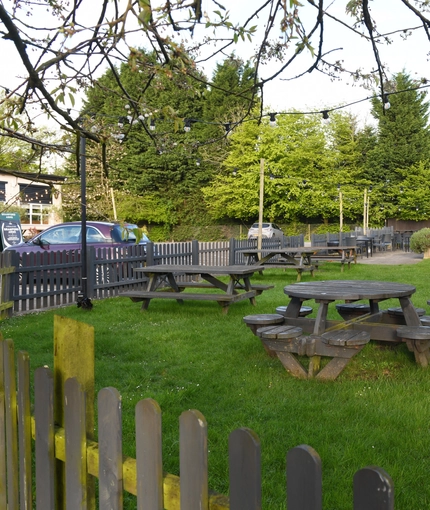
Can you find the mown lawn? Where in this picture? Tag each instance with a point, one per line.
(376, 413)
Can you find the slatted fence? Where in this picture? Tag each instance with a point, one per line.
(68, 459)
(6, 271)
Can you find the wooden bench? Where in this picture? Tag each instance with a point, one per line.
(417, 339)
(206, 285)
(319, 259)
(299, 269)
(254, 322)
(341, 345)
(349, 311)
(304, 310)
(222, 299)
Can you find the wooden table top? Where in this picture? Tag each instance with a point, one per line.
(239, 270)
(349, 290)
(301, 249)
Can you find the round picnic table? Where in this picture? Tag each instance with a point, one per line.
(326, 334)
(325, 292)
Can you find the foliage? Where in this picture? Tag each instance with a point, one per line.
(305, 162)
(403, 138)
(420, 240)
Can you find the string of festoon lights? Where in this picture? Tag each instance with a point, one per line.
(151, 118)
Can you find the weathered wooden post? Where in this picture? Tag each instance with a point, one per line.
(73, 357)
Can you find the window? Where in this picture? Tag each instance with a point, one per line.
(62, 235)
(35, 194)
(2, 191)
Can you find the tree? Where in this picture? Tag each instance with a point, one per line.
(403, 137)
(305, 162)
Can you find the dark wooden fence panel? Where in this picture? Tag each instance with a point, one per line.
(110, 450)
(245, 470)
(45, 451)
(304, 479)
(193, 460)
(76, 445)
(149, 464)
(373, 490)
(24, 432)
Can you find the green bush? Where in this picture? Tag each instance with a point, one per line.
(420, 240)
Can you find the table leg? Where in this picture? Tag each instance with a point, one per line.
(174, 286)
(411, 316)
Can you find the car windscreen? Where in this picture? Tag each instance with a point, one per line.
(123, 234)
(264, 225)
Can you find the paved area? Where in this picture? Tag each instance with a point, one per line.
(392, 258)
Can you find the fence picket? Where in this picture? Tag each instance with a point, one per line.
(149, 465)
(45, 452)
(245, 470)
(110, 450)
(304, 479)
(24, 431)
(11, 425)
(373, 489)
(193, 460)
(3, 486)
(76, 445)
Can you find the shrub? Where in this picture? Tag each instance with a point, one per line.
(420, 240)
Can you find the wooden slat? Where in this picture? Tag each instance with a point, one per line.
(149, 464)
(373, 489)
(3, 487)
(304, 479)
(193, 460)
(110, 450)
(245, 470)
(24, 431)
(45, 454)
(76, 445)
(12, 462)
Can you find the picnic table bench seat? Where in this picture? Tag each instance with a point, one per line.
(259, 288)
(256, 321)
(417, 339)
(287, 341)
(222, 299)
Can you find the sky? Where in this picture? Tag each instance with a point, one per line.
(315, 91)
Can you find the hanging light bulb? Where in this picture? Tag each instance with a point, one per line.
(272, 120)
(198, 161)
(227, 127)
(152, 125)
(386, 103)
(187, 125)
(325, 116)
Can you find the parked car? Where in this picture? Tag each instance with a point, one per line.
(268, 230)
(67, 236)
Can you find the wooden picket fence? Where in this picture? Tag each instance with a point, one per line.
(67, 458)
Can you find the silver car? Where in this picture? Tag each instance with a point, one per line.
(268, 231)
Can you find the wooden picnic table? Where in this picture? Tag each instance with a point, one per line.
(300, 258)
(340, 339)
(162, 283)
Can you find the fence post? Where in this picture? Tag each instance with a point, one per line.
(73, 357)
(193, 460)
(91, 271)
(232, 252)
(245, 470)
(304, 479)
(194, 252)
(373, 489)
(149, 254)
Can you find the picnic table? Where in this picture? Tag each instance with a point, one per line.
(300, 258)
(163, 283)
(340, 339)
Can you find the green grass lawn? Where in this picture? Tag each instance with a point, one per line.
(193, 357)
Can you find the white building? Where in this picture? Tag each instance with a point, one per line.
(41, 200)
